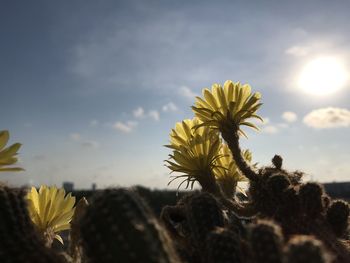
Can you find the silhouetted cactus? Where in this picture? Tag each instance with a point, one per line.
(119, 227)
(288, 214)
(19, 240)
(266, 242)
(311, 198)
(303, 249)
(203, 215)
(277, 161)
(277, 183)
(337, 216)
(223, 246)
(74, 246)
(326, 201)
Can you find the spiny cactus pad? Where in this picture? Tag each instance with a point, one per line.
(337, 216)
(311, 198)
(223, 246)
(266, 242)
(119, 227)
(203, 215)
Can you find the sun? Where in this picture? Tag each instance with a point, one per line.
(323, 76)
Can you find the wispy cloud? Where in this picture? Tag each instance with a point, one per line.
(153, 114)
(289, 116)
(270, 129)
(326, 118)
(125, 127)
(139, 113)
(171, 106)
(187, 92)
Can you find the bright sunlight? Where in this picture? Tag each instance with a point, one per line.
(323, 76)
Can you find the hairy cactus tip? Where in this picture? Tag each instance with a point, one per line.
(51, 211)
(8, 154)
(306, 249)
(228, 106)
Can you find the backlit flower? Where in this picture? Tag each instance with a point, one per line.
(51, 210)
(227, 173)
(232, 104)
(8, 155)
(194, 153)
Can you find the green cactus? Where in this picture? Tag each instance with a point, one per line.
(223, 246)
(303, 249)
(337, 217)
(19, 240)
(119, 227)
(266, 242)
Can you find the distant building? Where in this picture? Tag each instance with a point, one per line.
(93, 187)
(68, 186)
(338, 190)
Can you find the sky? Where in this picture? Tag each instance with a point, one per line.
(92, 88)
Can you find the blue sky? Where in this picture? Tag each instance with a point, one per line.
(92, 89)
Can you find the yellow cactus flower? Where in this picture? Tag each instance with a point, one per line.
(51, 210)
(227, 173)
(8, 155)
(194, 153)
(232, 104)
(184, 132)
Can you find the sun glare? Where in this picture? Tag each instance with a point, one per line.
(323, 76)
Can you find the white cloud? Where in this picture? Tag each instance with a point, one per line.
(169, 107)
(126, 127)
(187, 92)
(75, 137)
(289, 116)
(270, 129)
(139, 113)
(297, 51)
(326, 118)
(93, 123)
(154, 115)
